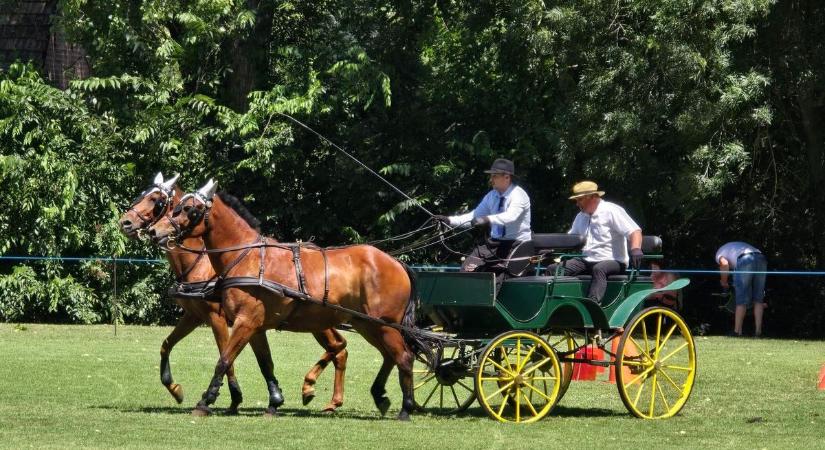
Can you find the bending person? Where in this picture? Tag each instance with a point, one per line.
(606, 228)
(506, 208)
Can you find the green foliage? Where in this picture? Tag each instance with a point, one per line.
(691, 114)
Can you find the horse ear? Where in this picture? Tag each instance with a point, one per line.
(208, 190)
(168, 184)
(158, 179)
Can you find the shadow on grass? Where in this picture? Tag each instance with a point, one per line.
(474, 412)
(251, 412)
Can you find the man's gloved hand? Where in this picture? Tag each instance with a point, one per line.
(479, 221)
(442, 219)
(636, 258)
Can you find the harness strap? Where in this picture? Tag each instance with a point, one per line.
(189, 269)
(238, 260)
(299, 270)
(326, 276)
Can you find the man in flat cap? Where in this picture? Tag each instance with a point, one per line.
(606, 228)
(506, 208)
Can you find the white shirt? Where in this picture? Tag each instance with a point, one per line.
(515, 218)
(605, 232)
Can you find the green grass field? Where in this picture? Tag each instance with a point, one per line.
(81, 386)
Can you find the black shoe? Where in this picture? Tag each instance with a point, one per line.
(734, 334)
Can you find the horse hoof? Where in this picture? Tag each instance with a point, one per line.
(308, 397)
(383, 405)
(330, 408)
(201, 411)
(404, 416)
(177, 392)
(270, 412)
(232, 411)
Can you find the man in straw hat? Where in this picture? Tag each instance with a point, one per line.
(606, 228)
(506, 208)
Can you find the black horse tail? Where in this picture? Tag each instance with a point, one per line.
(414, 340)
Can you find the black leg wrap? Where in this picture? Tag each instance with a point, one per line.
(235, 393)
(276, 398)
(212, 393)
(165, 373)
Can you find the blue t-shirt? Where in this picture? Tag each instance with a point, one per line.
(733, 250)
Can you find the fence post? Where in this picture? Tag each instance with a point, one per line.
(116, 312)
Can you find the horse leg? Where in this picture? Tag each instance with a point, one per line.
(185, 325)
(403, 357)
(241, 334)
(335, 346)
(220, 330)
(260, 346)
(378, 389)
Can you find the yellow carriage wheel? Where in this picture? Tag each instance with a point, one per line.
(518, 378)
(656, 364)
(446, 390)
(563, 342)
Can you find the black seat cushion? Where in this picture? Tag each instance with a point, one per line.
(540, 279)
(557, 241)
(612, 278)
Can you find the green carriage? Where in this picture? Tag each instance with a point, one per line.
(514, 350)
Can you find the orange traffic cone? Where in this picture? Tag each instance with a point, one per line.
(821, 386)
(629, 348)
(584, 371)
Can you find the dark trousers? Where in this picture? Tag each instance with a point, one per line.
(489, 257)
(599, 272)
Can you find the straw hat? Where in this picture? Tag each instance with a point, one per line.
(583, 188)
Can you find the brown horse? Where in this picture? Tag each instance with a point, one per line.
(158, 201)
(359, 278)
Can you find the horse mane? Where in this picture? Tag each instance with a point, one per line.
(234, 203)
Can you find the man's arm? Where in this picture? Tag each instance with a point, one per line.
(636, 239)
(464, 219)
(724, 271)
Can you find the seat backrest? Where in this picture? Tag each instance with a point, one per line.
(557, 241)
(562, 241)
(651, 244)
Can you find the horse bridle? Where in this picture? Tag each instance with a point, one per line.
(161, 206)
(195, 216)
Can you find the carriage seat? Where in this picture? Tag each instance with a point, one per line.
(613, 278)
(541, 279)
(545, 243)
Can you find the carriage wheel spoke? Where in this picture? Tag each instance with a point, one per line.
(529, 404)
(499, 391)
(645, 372)
(526, 359)
(667, 336)
(430, 396)
(674, 352)
(441, 397)
(518, 355)
(502, 368)
(455, 397)
(658, 335)
(686, 369)
(652, 394)
(533, 368)
(464, 386)
(670, 380)
(424, 381)
(646, 354)
(537, 391)
(646, 351)
(503, 404)
(664, 399)
(638, 395)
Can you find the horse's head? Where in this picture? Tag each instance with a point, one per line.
(148, 207)
(190, 218)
